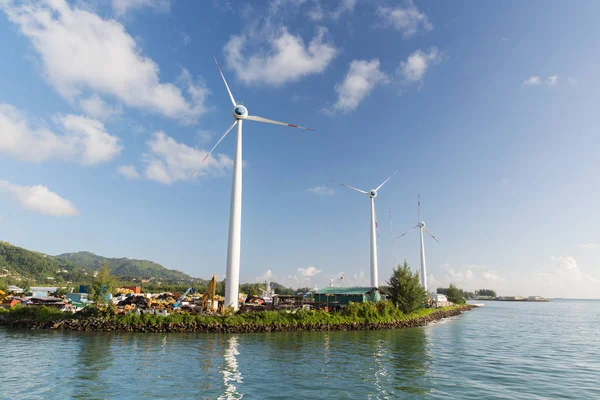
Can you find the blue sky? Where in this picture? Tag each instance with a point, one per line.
(488, 111)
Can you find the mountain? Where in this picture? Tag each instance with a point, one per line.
(78, 267)
(124, 267)
(23, 263)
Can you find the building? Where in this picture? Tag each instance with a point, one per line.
(439, 298)
(78, 297)
(344, 295)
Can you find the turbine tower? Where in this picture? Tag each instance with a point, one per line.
(421, 226)
(240, 113)
(372, 194)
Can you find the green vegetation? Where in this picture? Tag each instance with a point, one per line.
(30, 268)
(125, 267)
(486, 292)
(381, 312)
(252, 289)
(104, 284)
(469, 295)
(455, 294)
(24, 264)
(405, 290)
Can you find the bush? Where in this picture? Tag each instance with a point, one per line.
(454, 294)
(405, 289)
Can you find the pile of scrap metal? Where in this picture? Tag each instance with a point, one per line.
(8, 301)
(49, 301)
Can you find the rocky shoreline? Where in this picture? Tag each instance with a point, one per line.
(114, 325)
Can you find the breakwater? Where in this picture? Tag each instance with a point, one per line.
(165, 324)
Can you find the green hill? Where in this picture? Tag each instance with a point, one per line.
(125, 267)
(22, 263)
(18, 262)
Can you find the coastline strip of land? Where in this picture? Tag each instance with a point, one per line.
(270, 321)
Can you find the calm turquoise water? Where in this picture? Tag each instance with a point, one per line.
(501, 351)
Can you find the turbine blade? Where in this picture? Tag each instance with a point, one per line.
(353, 188)
(225, 81)
(430, 234)
(222, 137)
(410, 230)
(384, 182)
(270, 121)
(419, 206)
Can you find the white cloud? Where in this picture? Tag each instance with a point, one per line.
(287, 58)
(85, 140)
(561, 277)
(187, 39)
(128, 171)
(318, 14)
(407, 20)
(168, 161)
(321, 191)
(590, 245)
(362, 77)
(122, 7)
(95, 107)
(40, 200)
(308, 272)
(417, 64)
(533, 80)
(564, 278)
(492, 277)
(82, 53)
(267, 276)
(204, 137)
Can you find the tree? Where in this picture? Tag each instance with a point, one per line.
(405, 289)
(252, 289)
(455, 295)
(283, 290)
(103, 284)
(486, 292)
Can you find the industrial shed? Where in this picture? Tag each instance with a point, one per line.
(344, 295)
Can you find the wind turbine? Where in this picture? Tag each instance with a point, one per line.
(240, 113)
(421, 226)
(372, 194)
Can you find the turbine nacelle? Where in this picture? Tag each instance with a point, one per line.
(421, 224)
(239, 112)
(372, 194)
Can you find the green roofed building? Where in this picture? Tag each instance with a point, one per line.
(344, 295)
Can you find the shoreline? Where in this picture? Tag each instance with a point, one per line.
(150, 325)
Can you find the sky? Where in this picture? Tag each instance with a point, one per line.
(486, 110)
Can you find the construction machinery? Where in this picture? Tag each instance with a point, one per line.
(210, 294)
(2, 295)
(183, 296)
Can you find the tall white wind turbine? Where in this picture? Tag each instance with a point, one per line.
(240, 113)
(421, 226)
(372, 194)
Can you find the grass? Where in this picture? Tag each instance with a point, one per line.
(381, 312)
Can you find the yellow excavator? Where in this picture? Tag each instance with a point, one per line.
(2, 295)
(211, 294)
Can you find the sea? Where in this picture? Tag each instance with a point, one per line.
(504, 350)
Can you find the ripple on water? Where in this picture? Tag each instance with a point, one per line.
(503, 350)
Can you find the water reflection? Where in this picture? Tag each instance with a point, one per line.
(379, 357)
(94, 358)
(230, 372)
(410, 360)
